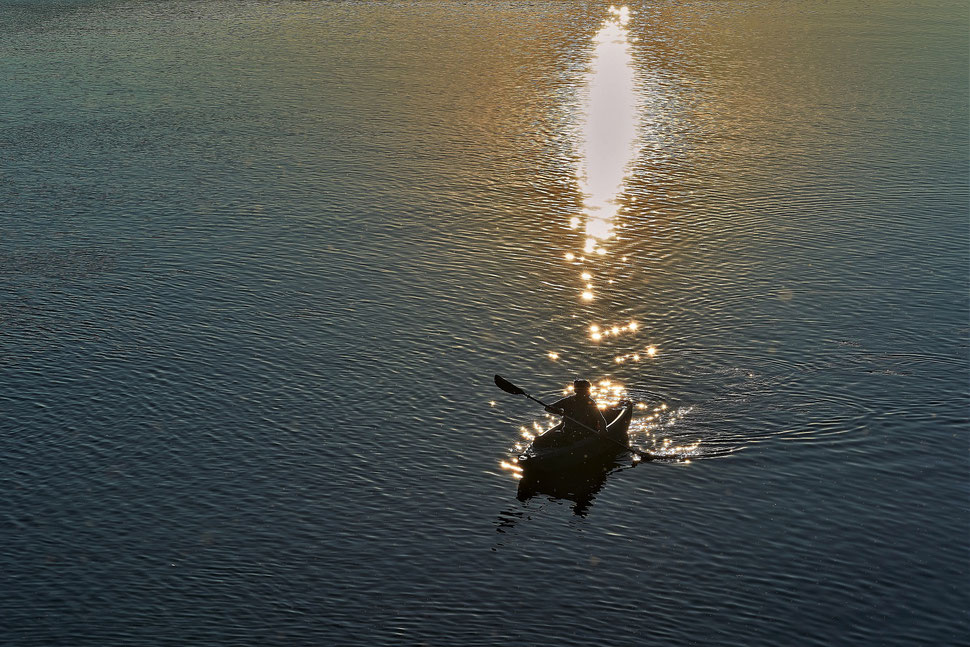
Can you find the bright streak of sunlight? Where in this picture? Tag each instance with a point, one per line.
(610, 117)
(608, 143)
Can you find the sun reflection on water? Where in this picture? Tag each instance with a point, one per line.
(598, 333)
(608, 141)
(653, 434)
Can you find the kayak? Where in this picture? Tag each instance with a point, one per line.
(550, 453)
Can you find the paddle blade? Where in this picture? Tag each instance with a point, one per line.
(507, 386)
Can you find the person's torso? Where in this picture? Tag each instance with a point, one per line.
(581, 410)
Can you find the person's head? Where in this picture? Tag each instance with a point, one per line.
(581, 387)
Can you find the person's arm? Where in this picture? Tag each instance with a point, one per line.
(558, 407)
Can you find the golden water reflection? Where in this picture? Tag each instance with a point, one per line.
(608, 141)
(607, 144)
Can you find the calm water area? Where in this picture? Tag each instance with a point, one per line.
(259, 262)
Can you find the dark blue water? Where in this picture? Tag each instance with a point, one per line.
(259, 262)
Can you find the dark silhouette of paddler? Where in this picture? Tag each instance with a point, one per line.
(580, 413)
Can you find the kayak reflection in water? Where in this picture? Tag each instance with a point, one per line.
(578, 410)
(579, 486)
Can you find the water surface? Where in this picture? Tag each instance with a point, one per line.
(259, 262)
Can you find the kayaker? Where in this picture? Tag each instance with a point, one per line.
(577, 410)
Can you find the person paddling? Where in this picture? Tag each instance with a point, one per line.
(577, 410)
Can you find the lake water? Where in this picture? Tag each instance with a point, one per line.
(259, 262)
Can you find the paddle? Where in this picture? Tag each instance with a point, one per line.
(508, 387)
